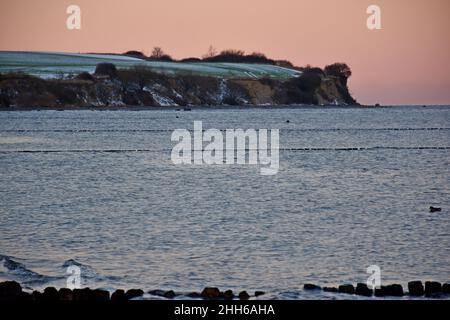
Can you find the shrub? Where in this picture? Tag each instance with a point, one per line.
(106, 69)
(158, 54)
(239, 56)
(85, 76)
(340, 70)
(284, 63)
(134, 53)
(313, 70)
(192, 59)
(140, 76)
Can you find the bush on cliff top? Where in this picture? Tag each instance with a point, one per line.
(340, 70)
(106, 69)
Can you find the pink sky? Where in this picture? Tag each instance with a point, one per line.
(407, 62)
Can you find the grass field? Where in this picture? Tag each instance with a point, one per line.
(50, 65)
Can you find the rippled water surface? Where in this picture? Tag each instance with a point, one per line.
(98, 189)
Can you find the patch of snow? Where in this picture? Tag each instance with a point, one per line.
(162, 101)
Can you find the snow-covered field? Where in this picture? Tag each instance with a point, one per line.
(50, 65)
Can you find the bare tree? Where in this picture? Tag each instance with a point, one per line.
(157, 53)
(211, 52)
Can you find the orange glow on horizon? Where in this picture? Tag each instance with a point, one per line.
(407, 62)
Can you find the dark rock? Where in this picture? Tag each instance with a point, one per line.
(133, 293)
(194, 295)
(50, 294)
(393, 290)
(36, 296)
(330, 289)
(259, 293)
(10, 290)
(380, 292)
(84, 294)
(287, 121)
(309, 286)
(65, 294)
(432, 288)
(347, 288)
(363, 290)
(118, 295)
(99, 295)
(211, 293)
(243, 295)
(25, 296)
(106, 69)
(169, 294)
(228, 295)
(85, 76)
(435, 209)
(161, 293)
(446, 288)
(415, 288)
(78, 294)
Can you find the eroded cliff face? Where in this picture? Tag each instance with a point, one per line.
(130, 88)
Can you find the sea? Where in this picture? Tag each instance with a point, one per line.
(98, 190)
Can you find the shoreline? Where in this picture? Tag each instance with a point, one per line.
(12, 291)
(218, 107)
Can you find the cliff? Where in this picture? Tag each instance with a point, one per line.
(140, 86)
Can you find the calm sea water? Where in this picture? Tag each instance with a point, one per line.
(74, 190)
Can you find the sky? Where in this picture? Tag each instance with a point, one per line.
(407, 61)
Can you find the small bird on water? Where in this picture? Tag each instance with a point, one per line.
(435, 209)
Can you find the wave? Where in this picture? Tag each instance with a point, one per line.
(12, 269)
(17, 271)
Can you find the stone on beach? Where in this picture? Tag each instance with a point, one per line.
(392, 290)
(446, 288)
(65, 294)
(118, 295)
(36, 295)
(415, 288)
(363, 290)
(133, 293)
(228, 295)
(380, 292)
(259, 293)
(347, 288)
(432, 288)
(194, 295)
(50, 294)
(309, 286)
(10, 290)
(211, 293)
(330, 289)
(395, 290)
(243, 295)
(82, 294)
(162, 293)
(99, 295)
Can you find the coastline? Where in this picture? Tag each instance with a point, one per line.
(217, 107)
(13, 291)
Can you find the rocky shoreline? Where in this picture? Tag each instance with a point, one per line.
(12, 291)
(109, 87)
